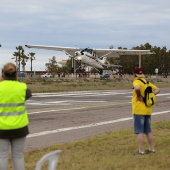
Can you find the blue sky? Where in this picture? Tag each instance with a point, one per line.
(94, 24)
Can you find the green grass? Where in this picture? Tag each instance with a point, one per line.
(110, 151)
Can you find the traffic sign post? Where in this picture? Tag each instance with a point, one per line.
(156, 71)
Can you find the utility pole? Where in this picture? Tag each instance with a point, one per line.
(139, 60)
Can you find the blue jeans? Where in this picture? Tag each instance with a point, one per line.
(142, 124)
(17, 151)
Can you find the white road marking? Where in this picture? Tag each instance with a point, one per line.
(78, 108)
(65, 102)
(88, 101)
(78, 94)
(28, 103)
(48, 103)
(55, 102)
(165, 94)
(85, 101)
(87, 126)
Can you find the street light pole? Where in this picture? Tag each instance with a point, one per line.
(139, 60)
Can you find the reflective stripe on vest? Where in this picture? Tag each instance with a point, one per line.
(12, 113)
(12, 105)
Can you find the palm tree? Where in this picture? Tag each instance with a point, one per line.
(15, 54)
(21, 58)
(24, 60)
(31, 54)
(19, 54)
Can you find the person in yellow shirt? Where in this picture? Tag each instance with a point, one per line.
(142, 113)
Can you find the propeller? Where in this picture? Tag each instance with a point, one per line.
(82, 51)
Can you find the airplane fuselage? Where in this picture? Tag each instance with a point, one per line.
(88, 59)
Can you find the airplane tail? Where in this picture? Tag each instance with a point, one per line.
(104, 61)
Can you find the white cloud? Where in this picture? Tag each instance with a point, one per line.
(96, 23)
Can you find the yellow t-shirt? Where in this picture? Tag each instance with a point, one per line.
(139, 108)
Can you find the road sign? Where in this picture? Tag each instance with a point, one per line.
(156, 70)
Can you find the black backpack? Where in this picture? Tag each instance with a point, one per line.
(149, 96)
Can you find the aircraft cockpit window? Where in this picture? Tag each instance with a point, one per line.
(89, 50)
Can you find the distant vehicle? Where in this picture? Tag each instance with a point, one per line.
(46, 75)
(106, 76)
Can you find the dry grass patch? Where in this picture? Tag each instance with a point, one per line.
(50, 85)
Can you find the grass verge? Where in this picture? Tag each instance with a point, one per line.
(85, 85)
(110, 151)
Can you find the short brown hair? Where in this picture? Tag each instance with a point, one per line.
(9, 70)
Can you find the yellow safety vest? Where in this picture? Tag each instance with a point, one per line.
(13, 114)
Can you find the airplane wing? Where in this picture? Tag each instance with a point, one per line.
(117, 52)
(112, 65)
(68, 50)
(100, 52)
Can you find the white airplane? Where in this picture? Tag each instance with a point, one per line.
(96, 58)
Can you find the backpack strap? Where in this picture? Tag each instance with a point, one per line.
(147, 82)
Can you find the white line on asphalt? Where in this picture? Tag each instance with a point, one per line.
(165, 94)
(78, 108)
(76, 101)
(87, 126)
(79, 94)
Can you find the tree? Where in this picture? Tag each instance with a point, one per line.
(20, 57)
(130, 61)
(31, 54)
(52, 65)
(15, 54)
(23, 61)
(19, 52)
(160, 60)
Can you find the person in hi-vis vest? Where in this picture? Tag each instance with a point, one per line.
(13, 117)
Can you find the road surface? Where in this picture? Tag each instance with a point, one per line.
(57, 118)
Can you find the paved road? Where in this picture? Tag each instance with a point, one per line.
(57, 118)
